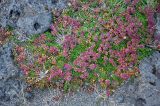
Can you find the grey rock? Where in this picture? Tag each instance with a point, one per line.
(120, 99)
(34, 24)
(28, 17)
(10, 83)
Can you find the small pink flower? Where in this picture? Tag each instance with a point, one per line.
(127, 1)
(84, 75)
(52, 74)
(131, 10)
(112, 62)
(85, 7)
(43, 37)
(124, 76)
(49, 78)
(59, 72)
(67, 76)
(19, 49)
(54, 30)
(134, 2)
(45, 47)
(24, 68)
(68, 67)
(96, 10)
(96, 74)
(108, 82)
(44, 57)
(80, 70)
(40, 60)
(53, 50)
(92, 66)
(65, 53)
(96, 38)
(21, 57)
(108, 92)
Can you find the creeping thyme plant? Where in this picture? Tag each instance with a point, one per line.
(90, 42)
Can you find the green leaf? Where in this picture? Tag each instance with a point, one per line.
(144, 52)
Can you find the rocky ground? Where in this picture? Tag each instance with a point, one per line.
(143, 91)
(29, 17)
